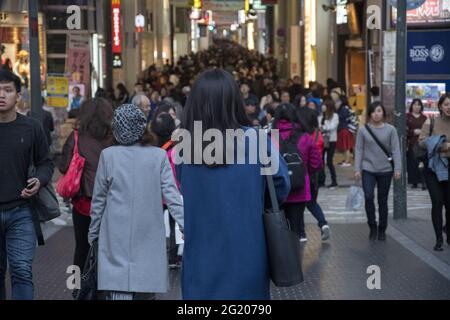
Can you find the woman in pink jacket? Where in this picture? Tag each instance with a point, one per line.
(288, 123)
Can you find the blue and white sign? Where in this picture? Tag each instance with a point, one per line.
(429, 52)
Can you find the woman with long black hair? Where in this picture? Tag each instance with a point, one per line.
(309, 118)
(225, 254)
(329, 123)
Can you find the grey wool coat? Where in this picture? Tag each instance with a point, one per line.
(127, 218)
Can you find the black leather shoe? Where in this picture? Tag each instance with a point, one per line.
(381, 235)
(438, 246)
(373, 234)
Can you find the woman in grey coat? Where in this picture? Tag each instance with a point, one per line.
(127, 216)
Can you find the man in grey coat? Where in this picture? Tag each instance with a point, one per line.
(127, 210)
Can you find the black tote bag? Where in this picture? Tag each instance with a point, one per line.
(283, 245)
(88, 286)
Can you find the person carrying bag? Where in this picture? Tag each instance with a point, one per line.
(283, 247)
(69, 184)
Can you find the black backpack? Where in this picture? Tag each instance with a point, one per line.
(294, 161)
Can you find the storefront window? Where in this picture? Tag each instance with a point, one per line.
(56, 43)
(56, 65)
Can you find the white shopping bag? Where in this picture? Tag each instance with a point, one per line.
(178, 238)
(355, 198)
(167, 223)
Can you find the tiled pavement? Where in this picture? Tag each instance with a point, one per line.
(336, 269)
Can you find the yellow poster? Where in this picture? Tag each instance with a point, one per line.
(58, 91)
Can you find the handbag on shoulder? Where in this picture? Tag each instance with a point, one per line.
(283, 245)
(69, 184)
(45, 204)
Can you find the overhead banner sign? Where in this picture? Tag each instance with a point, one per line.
(230, 5)
(225, 17)
(429, 52)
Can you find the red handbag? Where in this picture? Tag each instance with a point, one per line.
(68, 185)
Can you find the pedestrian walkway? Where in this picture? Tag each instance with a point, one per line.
(336, 269)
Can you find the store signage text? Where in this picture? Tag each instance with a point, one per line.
(116, 31)
(421, 53)
(428, 52)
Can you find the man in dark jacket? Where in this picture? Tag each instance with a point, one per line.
(22, 142)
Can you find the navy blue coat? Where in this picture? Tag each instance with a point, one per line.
(225, 256)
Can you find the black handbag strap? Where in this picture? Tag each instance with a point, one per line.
(34, 214)
(273, 196)
(382, 147)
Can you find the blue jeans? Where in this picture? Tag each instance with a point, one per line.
(314, 207)
(369, 181)
(17, 249)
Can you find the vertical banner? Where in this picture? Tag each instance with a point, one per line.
(116, 15)
(78, 59)
(295, 51)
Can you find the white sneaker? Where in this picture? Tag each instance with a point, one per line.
(346, 165)
(325, 232)
(303, 239)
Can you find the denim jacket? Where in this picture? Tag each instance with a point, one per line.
(437, 163)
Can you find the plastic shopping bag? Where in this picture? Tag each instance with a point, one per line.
(167, 223)
(355, 198)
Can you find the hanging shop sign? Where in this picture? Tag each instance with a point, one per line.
(79, 58)
(230, 5)
(116, 27)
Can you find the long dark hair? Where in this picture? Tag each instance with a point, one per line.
(330, 109)
(419, 101)
(216, 101)
(308, 117)
(122, 89)
(287, 112)
(441, 101)
(95, 118)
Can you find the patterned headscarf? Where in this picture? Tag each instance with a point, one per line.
(129, 124)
